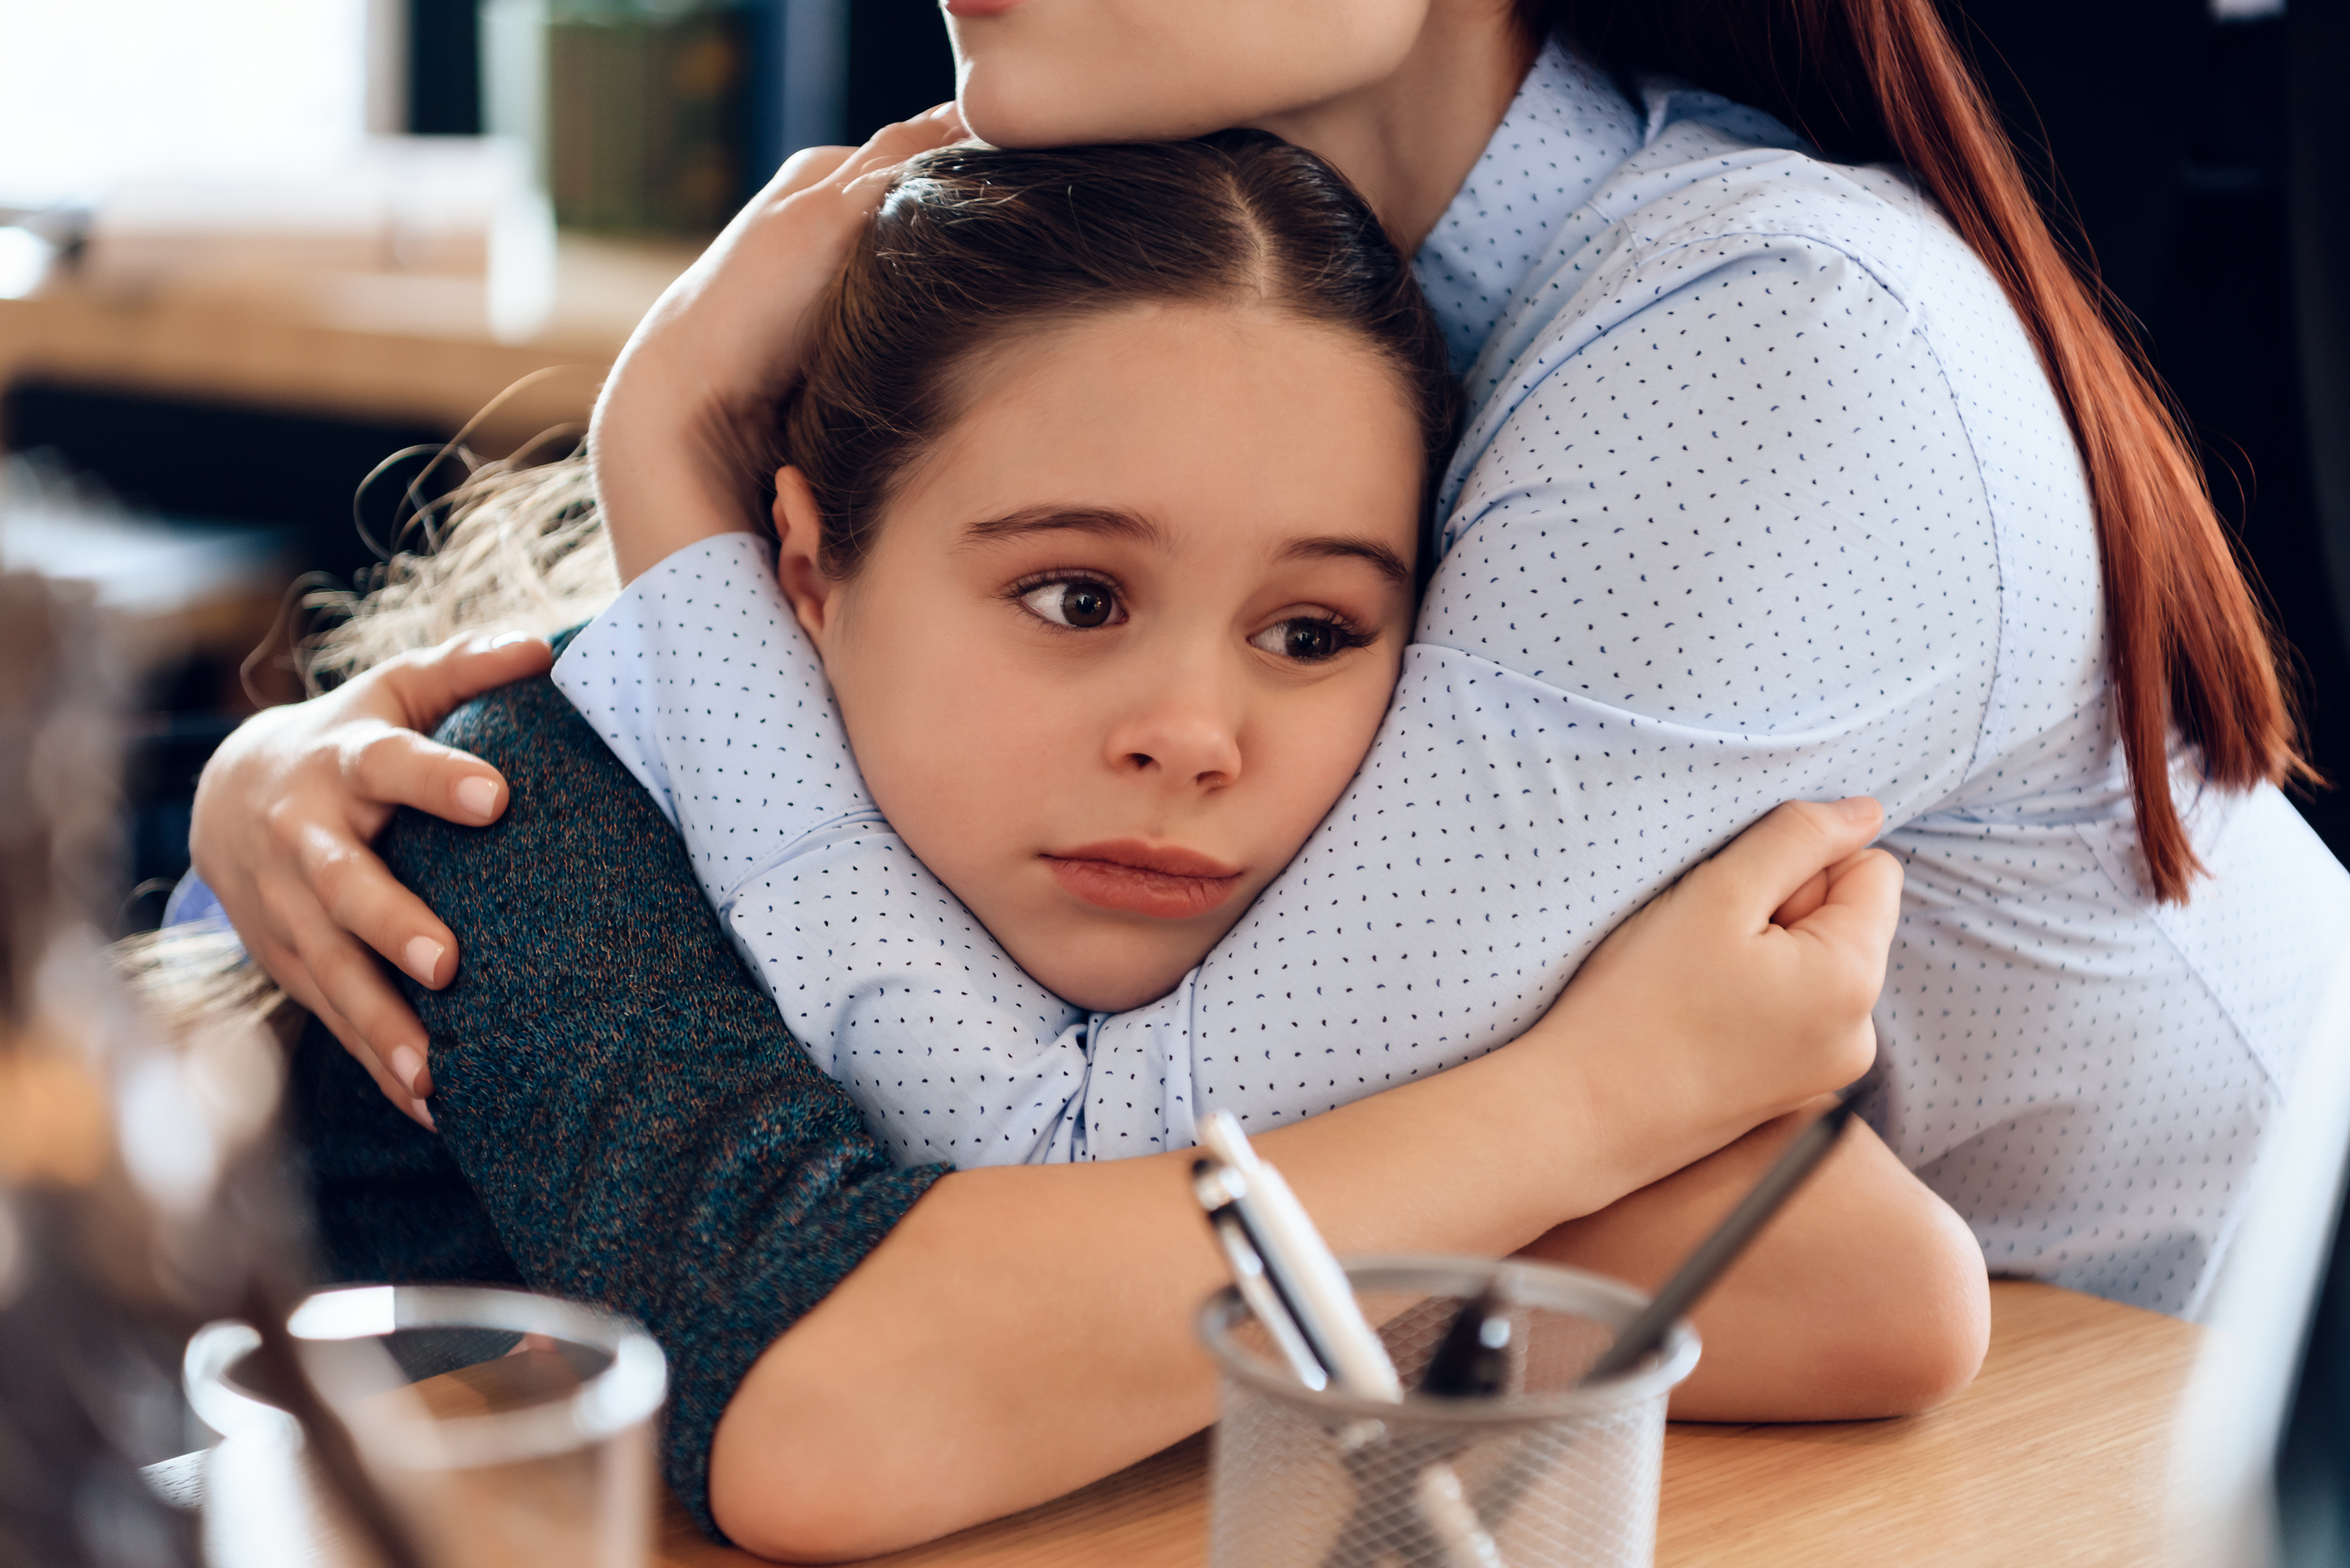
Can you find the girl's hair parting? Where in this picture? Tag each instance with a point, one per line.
(1883, 81)
(973, 245)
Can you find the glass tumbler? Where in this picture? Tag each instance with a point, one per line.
(1540, 1475)
(505, 1428)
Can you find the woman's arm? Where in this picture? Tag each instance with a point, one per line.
(903, 1406)
(1021, 1331)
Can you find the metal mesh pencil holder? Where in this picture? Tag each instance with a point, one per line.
(1556, 1475)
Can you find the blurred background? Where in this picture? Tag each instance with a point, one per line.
(249, 249)
(252, 249)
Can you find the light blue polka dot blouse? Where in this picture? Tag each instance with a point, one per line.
(1763, 494)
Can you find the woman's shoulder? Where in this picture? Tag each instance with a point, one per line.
(1727, 229)
(1709, 181)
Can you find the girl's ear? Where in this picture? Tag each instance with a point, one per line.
(799, 555)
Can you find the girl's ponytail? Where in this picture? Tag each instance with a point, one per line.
(1876, 80)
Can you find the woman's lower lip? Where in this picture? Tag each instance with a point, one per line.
(970, 9)
(1132, 890)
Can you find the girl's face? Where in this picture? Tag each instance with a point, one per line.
(1128, 629)
(1051, 73)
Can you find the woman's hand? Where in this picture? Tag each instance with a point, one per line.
(1754, 998)
(673, 440)
(1744, 990)
(284, 816)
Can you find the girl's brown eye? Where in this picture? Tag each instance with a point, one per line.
(1079, 604)
(1309, 639)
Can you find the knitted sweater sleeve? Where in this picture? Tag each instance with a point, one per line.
(628, 1108)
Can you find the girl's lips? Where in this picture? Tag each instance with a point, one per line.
(1136, 878)
(968, 9)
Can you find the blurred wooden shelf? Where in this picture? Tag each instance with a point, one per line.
(360, 346)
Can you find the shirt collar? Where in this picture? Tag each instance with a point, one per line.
(1567, 130)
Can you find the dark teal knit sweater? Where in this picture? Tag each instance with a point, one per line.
(623, 1119)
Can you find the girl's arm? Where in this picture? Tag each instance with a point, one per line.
(1028, 1329)
(1866, 1297)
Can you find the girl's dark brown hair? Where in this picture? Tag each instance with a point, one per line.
(972, 246)
(1882, 81)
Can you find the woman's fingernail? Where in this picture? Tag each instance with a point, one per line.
(508, 639)
(408, 1066)
(424, 1114)
(424, 957)
(1857, 808)
(478, 796)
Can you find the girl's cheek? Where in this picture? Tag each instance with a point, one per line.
(1313, 751)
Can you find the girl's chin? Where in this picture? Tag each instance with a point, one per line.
(1110, 977)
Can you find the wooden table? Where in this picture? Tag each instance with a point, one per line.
(2059, 1455)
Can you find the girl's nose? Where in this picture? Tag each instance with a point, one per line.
(1184, 729)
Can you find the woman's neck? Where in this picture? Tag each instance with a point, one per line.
(1408, 140)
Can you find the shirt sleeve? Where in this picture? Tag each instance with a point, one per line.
(704, 685)
(639, 1125)
(1728, 549)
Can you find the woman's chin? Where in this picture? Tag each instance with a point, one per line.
(1005, 107)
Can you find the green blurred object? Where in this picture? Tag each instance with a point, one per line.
(644, 108)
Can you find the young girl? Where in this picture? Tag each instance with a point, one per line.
(1099, 513)
(1102, 511)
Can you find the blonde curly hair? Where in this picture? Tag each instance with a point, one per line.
(517, 546)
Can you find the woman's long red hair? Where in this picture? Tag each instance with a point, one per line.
(1874, 80)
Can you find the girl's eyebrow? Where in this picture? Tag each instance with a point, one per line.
(1101, 521)
(1326, 546)
(1111, 521)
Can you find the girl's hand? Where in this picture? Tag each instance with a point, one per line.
(1740, 992)
(673, 439)
(284, 816)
